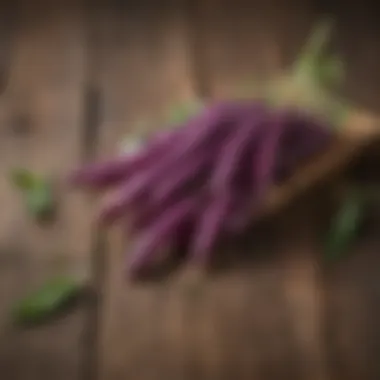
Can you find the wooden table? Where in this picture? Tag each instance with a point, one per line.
(75, 78)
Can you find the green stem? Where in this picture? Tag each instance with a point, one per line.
(313, 52)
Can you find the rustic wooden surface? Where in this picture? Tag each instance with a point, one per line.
(74, 79)
(41, 119)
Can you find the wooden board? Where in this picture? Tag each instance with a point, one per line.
(73, 83)
(41, 118)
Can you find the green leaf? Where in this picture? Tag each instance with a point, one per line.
(39, 200)
(183, 111)
(38, 193)
(315, 46)
(46, 301)
(345, 227)
(314, 64)
(23, 179)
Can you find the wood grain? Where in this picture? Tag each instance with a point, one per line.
(74, 81)
(41, 131)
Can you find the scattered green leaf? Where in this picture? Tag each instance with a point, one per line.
(37, 191)
(345, 227)
(182, 112)
(23, 179)
(40, 201)
(51, 298)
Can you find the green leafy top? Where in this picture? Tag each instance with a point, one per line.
(313, 81)
(314, 64)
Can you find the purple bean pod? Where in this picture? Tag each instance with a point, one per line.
(112, 172)
(208, 229)
(246, 130)
(158, 234)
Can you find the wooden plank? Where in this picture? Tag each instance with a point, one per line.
(141, 69)
(352, 312)
(42, 109)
